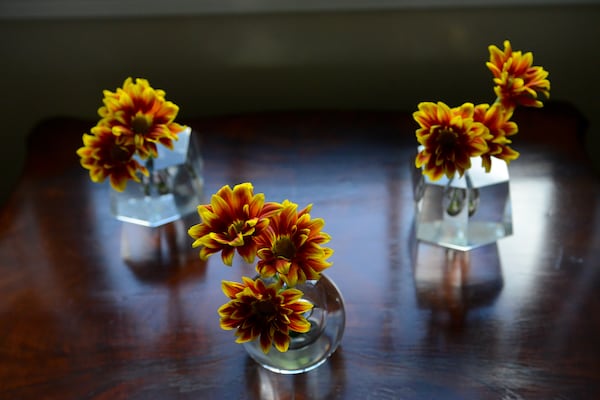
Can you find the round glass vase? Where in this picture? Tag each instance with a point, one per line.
(308, 350)
(464, 212)
(172, 190)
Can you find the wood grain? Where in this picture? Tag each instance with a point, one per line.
(91, 308)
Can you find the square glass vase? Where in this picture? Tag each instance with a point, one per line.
(466, 211)
(172, 191)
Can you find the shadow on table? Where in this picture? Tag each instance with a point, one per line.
(327, 381)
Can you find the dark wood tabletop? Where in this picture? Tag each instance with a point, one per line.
(93, 308)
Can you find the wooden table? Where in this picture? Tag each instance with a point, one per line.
(92, 308)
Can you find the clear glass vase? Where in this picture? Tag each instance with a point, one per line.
(465, 212)
(309, 350)
(173, 189)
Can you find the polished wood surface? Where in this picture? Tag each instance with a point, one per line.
(92, 308)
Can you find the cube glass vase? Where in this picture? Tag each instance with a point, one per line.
(172, 191)
(466, 211)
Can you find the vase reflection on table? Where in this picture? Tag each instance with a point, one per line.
(451, 282)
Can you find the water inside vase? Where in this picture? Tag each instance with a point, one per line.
(173, 189)
(465, 212)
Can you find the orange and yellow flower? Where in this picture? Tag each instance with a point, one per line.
(266, 312)
(231, 221)
(106, 155)
(134, 119)
(450, 137)
(141, 115)
(290, 246)
(497, 119)
(517, 81)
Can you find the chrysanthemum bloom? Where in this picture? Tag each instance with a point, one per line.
(517, 81)
(291, 246)
(450, 137)
(106, 155)
(497, 119)
(141, 115)
(267, 312)
(231, 221)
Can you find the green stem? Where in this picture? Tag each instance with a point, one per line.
(147, 181)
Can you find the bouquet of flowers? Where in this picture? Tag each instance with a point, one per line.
(451, 136)
(133, 121)
(288, 244)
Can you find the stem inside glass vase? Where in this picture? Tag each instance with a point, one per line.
(157, 183)
(147, 180)
(455, 198)
(172, 189)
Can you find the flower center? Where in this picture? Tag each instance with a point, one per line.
(284, 248)
(141, 124)
(119, 154)
(265, 308)
(238, 226)
(447, 139)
